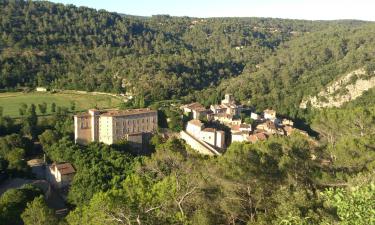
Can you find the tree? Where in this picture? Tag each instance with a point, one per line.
(72, 106)
(30, 122)
(13, 202)
(48, 138)
(356, 206)
(23, 109)
(16, 159)
(42, 108)
(38, 213)
(53, 107)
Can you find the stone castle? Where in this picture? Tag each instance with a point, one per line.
(111, 126)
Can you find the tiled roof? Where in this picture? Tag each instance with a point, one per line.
(242, 125)
(209, 129)
(195, 106)
(196, 122)
(64, 168)
(128, 112)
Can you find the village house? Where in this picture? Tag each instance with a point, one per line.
(269, 114)
(240, 136)
(248, 137)
(269, 127)
(60, 175)
(41, 89)
(196, 109)
(111, 126)
(208, 141)
(211, 136)
(255, 116)
(287, 122)
(257, 137)
(226, 119)
(288, 130)
(228, 106)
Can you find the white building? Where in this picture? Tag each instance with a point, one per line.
(254, 116)
(60, 174)
(269, 114)
(113, 125)
(215, 138)
(196, 109)
(41, 89)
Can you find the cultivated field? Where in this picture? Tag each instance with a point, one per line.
(11, 101)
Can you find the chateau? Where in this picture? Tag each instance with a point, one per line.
(111, 126)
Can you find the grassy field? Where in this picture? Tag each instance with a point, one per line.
(11, 101)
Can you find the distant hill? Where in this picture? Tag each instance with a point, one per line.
(273, 62)
(345, 89)
(303, 67)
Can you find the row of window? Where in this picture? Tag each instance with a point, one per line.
(137, 121)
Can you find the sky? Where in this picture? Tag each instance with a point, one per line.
(292, 9)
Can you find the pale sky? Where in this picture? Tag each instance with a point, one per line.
(293, 9)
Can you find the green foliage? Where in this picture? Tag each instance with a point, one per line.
(353, 206)
(156, 58)
(38, 213)
(30, 122)
(42, 108)
(14, 148)
(48, 138)
(13, 202)
(99, 167)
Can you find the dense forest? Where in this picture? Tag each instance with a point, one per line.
(163, 57)
(263, 62)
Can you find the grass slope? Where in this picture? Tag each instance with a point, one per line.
(11, 101)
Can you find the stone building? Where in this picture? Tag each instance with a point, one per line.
(60, 175)
(197, 110)
(112, 126)
(208, 141)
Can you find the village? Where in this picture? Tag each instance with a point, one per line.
(208, 131)
(213, 141)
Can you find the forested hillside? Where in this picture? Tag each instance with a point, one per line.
(298, 179)
(162, 57)
(304, 66)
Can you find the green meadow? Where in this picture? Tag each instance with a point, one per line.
(11, 101)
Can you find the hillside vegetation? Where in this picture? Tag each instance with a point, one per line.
(303, 67)
(345, 89)
(163, 61)
(157, 58)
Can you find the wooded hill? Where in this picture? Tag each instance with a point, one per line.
(163, 57)
(328, 179)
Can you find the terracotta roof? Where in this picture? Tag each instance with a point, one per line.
(243, 125)
(261, 136)
(64, 168)
(81, 115)
(235, 127)
(288, 128)
(257, 137)
(195, 106)
(196, 122)
(270, 111)
(223, 115)
(209, 130)
(218, 106)
(220, 131)
(271, 125)
(128, 112)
